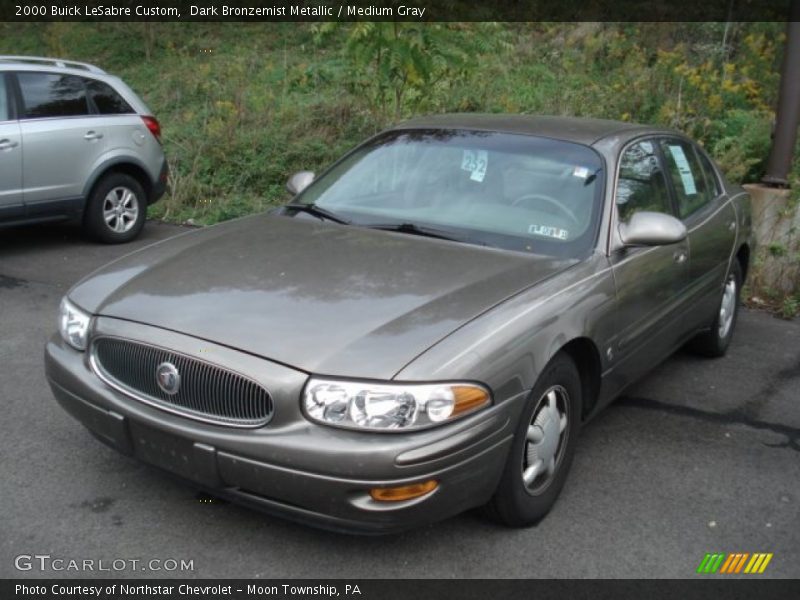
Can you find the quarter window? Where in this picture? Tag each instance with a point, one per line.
(107, 101)
(687, 176)
(52, 95)
(641, 185)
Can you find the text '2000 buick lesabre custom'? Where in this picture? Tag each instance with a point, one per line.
(423, 329)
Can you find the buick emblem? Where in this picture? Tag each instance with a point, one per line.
(168, 378)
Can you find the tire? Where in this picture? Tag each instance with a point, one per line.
(714, 342)
(518, 503)
(116, 210)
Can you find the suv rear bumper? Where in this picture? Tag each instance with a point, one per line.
(160, 185)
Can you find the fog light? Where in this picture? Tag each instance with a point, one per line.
(403, 492)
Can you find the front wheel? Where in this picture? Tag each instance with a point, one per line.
(116, 209)
(543, 447)
(714, 342)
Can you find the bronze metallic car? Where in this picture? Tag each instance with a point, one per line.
(423, 329)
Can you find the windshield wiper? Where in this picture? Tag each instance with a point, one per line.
(415, 229)
(318, 211)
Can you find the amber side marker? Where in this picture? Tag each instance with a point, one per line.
(403, 492)
(468, 398)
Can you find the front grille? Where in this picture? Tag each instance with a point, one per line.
(207, 392)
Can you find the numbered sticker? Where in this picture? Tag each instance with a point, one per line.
(687, 177)
(547, 231)
(475, 162)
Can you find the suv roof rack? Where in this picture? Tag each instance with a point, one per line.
(56, 62)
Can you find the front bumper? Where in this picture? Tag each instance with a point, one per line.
(291, 467)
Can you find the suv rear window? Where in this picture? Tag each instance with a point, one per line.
(52, 95)
(107, 101)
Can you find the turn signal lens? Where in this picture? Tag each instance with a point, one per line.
(404, 492)
(468, 398)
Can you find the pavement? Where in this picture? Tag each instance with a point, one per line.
(701, 456)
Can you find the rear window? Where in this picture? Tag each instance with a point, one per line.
(52, 95)
(687, 176)
(107, 101)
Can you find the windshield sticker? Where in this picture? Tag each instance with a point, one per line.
(580, 172)
(475, 162)
(547, 231)
(684, 169)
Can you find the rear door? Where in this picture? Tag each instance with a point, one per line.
(650, 281)
(10, 155)
(710, 220)
(62, 136)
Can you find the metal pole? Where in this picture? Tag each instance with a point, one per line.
(787, 116)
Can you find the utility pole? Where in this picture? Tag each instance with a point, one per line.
(787, 116)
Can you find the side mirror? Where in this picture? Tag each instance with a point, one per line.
(299, 181)
(652, 229)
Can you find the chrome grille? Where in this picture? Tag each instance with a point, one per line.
(207, 392)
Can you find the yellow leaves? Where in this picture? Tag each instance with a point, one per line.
(225, 106)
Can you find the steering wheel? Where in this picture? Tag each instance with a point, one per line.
(566, 211)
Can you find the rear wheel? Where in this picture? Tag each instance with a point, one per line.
(543, 447)
(714, 342)
(116, 210)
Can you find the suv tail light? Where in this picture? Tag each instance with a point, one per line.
(154, 127)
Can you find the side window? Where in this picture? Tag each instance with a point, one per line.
(710, 173)
(107, 101)
(687, 176)
(52, 95)
(3, 98)
(641, 185)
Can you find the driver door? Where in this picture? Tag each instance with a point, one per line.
(650, 280)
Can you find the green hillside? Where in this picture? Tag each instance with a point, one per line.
(244, 105)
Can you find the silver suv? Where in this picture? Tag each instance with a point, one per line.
(76, 142)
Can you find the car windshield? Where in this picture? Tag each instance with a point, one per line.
(510, 191)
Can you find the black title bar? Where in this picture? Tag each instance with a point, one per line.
(394, 10)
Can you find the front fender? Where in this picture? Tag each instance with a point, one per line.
(508, 346)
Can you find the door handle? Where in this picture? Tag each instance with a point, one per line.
(732, 226)
(680, 256)
(92, 135)
(8, 144)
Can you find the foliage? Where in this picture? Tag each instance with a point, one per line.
(410, 66)
(242, 106)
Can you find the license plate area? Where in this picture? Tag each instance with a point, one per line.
(191, 460)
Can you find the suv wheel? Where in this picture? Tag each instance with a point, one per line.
(543, 447)
(116, 210)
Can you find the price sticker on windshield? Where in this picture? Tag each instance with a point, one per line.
(475, 162)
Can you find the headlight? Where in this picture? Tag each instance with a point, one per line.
(73, 324)
(395, 406)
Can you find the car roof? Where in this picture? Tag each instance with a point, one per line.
(572, 129)
(61, 64)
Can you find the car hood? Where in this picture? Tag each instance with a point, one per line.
(320, 297)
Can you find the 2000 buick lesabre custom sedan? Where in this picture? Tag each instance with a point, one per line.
(422, 330)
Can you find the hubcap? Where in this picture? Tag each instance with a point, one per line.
(120, 209)
(727, 307)
(545, 439)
